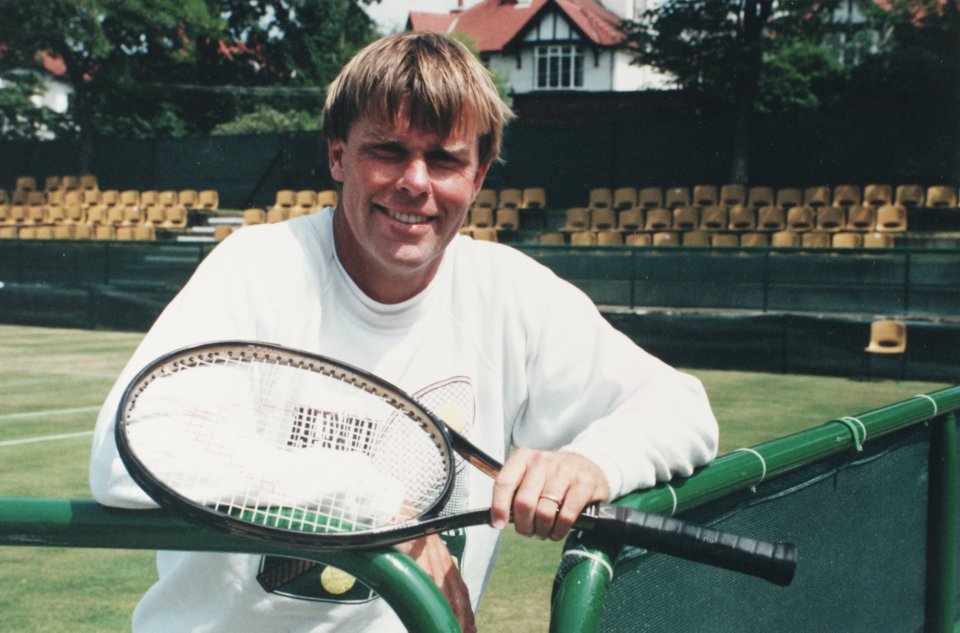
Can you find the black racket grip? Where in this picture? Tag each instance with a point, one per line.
(774, 562)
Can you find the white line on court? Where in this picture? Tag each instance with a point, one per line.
(47, 413)
(45, 438)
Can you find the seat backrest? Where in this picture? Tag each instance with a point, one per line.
(789, 197)
(307, 199)
(878, 240)
(891, 217)
(603, 219)
(486, 198)
(695, 238)
(577, 219)
(485, 234)
(624, 198)
(760, 197)
(285, 198)
(666, 238)
(910, 196)
(327, 198)
(816, 239)
(254, 215)
(659, 220)
(732, 195)
(816, 196)
(552, 237)
(508, 218)
(846, 196)
(686, 218)
(705, 195)
(630, 219)
(510, 198)
(638, 239)
(26, 183)
(831, 218)
(677, 197)
(724, 239)
(784, 239)
(600, 198)
(753, 239)
(534, 198)
(583, 238)
(771, 218)
(847, 239)
(88, 182)
(713, 218)
(609, 238)
(742, 218)
(861, 218)
(208, 199)
(650, 197)
(481, 217)
(887, 337)
(941, 196)
(875, 195)
(800, 218)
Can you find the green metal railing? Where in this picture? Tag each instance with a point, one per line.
(580, 590)
(82, 523)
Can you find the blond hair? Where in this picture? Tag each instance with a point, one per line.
(437, 83)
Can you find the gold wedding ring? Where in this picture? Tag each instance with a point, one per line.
(554, 499)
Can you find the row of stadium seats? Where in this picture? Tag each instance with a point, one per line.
(166, 209)
(529, 198)
(887, 218)
(778, 239)
(79, 232)
(729, 196)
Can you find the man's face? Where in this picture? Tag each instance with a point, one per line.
(405, 194)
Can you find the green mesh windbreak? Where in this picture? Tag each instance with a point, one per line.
(859, 525)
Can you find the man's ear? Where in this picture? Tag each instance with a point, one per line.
(335, 158)
(478, 179)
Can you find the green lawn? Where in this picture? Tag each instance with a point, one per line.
(51, 382)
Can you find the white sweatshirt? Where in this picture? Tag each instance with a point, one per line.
(497, 345)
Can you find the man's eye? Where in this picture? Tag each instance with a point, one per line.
(387, 151)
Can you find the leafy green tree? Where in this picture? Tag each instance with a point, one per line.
(727, 50)
(168, 68)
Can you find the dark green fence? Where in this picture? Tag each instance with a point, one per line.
(870, 500)
(779, 310)
(901, 281)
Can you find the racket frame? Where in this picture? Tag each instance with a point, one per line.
(426, 522)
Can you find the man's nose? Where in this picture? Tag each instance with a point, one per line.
(415, 178)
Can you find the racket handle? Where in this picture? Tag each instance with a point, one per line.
(774, 562)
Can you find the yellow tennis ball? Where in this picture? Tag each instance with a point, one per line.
(336, 581)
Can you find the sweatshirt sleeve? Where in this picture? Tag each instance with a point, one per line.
(592, 391)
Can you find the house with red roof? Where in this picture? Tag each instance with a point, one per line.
(549, 45)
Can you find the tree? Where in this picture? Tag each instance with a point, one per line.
(725, 50)
(167, 68)
(918, 62)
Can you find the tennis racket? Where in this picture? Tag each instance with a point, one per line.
(285, 446)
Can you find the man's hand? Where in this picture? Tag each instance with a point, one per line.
(431, 553)
(545, 491)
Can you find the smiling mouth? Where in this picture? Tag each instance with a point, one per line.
(406, 218)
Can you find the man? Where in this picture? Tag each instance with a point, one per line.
(494, 343)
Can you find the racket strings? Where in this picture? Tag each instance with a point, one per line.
(268, 442)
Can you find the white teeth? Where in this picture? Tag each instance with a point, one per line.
(406, 218)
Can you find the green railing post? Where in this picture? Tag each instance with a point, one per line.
(942, 526)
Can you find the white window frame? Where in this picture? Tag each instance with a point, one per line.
(558, 67)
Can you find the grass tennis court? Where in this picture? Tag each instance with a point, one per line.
(52, 382)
